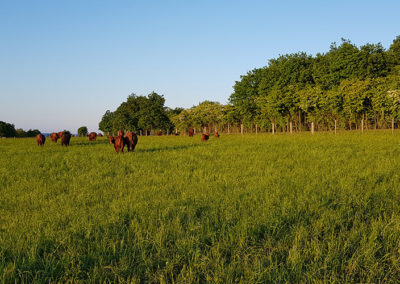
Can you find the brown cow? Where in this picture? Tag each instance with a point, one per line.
(65, 137)
(111, 139)
(92, 136)
(121, 133)
(131, 140)
(99, 134)
(54, 137)
(119, 143)
(204, 137)
(159, 133)
(59, 134)
(191, 132)
(40, 139)
(216, 134)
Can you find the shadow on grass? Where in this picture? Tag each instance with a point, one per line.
(168, 148)
(89, 143)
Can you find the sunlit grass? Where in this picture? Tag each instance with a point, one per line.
(259, 208)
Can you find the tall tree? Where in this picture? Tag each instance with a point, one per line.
(7, 129)
(82, 131)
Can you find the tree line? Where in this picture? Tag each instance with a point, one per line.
(348, 87)
(8, 130)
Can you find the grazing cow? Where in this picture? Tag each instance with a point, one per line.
(121, 133)
(99, 134)
(204, 137)
(65, 137)
(131, 140)
(111, 139)
(191, 132)
(40, 139)
(119, 143)
(216, 134)
(54, 137)
(92, 136)
(59, 134)
(159, 133)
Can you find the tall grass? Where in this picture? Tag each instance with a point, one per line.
(247, 208)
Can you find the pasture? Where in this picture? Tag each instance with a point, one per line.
(246, 208)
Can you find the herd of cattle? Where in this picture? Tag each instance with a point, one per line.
(129, 139)
(64, 136)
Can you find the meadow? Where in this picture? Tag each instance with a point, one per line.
(253, 208)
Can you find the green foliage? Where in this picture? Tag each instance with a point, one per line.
(254, 209)
(394, 52)
(349, 85)
(83, 131)
(138, 113)
(30, 133)
(206, 114)
(7, 129)
(106, 123)
(344, 84)
(20, 132)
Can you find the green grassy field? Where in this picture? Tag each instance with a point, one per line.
(252, 209)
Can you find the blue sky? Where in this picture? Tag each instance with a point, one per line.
(64, 63)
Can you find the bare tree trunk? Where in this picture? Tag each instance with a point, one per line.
(241, 128)
(299, 120)
(392, 125)
(362, 125)
(335, 125)
(273, 128)
(256, 129)
(229, 129)
(312, 127)
(291, 128)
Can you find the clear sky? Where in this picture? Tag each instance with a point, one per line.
(64, 63)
